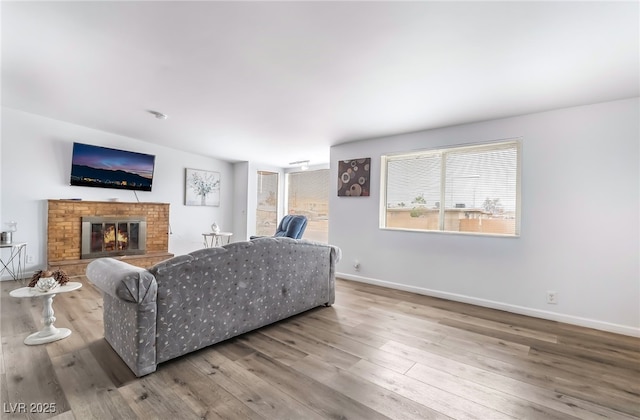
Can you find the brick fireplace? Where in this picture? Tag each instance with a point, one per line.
(132, 226)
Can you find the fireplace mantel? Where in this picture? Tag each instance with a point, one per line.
(64, 230)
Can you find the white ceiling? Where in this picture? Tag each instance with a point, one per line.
(276, 82)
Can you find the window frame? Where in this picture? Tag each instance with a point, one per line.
(443, 151)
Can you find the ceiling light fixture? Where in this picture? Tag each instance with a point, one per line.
(158, 115)
(303, 164)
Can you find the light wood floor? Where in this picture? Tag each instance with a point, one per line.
(377, 353)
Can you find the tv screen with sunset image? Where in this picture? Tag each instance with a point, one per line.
(96, 166)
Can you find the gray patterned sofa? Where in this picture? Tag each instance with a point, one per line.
(192, 301)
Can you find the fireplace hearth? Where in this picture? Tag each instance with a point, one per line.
(113, 236)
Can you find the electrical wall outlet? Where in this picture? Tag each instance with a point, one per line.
(552, 297)
(29, 259)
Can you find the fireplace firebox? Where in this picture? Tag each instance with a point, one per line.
(113, 236)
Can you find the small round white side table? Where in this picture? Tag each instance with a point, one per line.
(49, 333)
(212, 239)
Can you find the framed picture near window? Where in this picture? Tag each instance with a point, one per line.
(202, 188)
(354, 177)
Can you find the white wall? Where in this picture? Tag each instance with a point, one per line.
(580, 222)
(36, 165)
(241, 201)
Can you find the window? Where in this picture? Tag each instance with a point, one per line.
(470, 189)
(267, 209)
(308, 194)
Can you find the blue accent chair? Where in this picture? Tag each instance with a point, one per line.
(291, 226)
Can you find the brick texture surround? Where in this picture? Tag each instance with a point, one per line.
(64, 225)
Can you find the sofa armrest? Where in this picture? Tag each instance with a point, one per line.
(122, 280)
(130, 311)
(336, 253)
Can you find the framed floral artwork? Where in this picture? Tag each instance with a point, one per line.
(202, 188)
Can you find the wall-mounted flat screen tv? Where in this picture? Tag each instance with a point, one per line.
(96, 166)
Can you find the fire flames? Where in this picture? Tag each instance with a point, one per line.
(115, 239)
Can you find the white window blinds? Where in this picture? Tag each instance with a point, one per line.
(267, 209)
(473, 189)
(308, 195)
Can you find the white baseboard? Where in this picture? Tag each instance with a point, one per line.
(522, 310)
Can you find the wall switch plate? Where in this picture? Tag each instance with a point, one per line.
(552, 297)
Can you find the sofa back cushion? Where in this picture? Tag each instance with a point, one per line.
(217, 293)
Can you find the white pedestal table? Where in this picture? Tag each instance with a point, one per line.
(49, 333)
